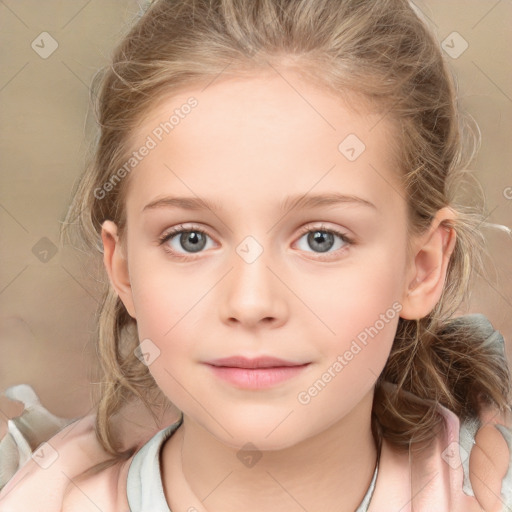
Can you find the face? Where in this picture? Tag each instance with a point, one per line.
(318, 284)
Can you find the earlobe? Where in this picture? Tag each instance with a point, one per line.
(426, 278)
(116, 264)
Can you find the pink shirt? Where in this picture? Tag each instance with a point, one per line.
(436, 480)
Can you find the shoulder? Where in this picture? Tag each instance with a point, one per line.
(105, 491)
(49, 476)
(137, 479)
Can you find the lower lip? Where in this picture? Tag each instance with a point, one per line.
(257, 378)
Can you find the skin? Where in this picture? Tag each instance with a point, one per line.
(247, 145)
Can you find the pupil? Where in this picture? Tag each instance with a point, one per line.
(194, 239)
(321, 236)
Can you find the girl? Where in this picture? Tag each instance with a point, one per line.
(273, 192)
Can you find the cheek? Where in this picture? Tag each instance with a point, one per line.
(362, 313)
(174, 310)
(168, 308)
(347, 301)
(357, 311)
(163, 294)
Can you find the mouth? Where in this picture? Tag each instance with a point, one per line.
(258, 362)
(257, 373)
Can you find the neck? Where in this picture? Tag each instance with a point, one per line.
(330, 471)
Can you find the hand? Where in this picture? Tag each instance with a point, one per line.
(490, 458)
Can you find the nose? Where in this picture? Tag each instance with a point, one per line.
(253, 294)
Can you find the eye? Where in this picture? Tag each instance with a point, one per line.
(193, 239)
(322, 239)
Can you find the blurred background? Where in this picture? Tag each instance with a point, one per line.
(49, 293)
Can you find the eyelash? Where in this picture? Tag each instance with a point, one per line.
(168, 235)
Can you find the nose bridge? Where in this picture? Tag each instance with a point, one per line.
(252, 291)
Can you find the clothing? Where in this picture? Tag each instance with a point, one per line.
(145, 489)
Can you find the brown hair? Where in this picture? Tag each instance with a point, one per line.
(380, 51)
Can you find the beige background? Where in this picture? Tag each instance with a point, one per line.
(48, 301)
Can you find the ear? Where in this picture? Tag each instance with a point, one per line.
(116, 264)
(428, 266)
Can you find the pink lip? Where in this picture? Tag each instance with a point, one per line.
(262, 372)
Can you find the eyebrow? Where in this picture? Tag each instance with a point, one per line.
(291, 202)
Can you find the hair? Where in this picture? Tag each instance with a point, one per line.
(381, 52)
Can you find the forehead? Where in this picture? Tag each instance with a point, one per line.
(259, 138)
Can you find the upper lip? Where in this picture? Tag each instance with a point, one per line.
(258, 362)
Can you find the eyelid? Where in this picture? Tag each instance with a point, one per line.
(337, 231)
(307, 228)
(176, 230)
